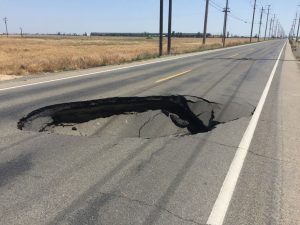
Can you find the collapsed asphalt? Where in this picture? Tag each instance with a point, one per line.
(147, 117)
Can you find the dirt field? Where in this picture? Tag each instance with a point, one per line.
(36, 55)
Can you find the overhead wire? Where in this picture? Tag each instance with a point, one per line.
(221, 9)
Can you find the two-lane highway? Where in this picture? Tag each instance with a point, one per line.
(111, 178)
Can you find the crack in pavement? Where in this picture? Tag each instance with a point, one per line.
(273, 159)
(148, 121)
(144, 203)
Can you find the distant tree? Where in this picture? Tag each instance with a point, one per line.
(179, 34)
(58, 33)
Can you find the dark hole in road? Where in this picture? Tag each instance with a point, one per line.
(147, 117)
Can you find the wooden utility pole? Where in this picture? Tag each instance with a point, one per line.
(161, 27)
(260, 22)
(254, 8)
(5, 21)
(271, 21)
(170, 28)
(276, 28)
(272, 26)
(226, 11)
(297, 38)
(205, 22)
(294, 25)
(267, 22)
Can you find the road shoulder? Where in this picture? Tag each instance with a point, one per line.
(268, 188)
(290, 129)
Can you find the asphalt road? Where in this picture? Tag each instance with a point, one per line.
(63, 176)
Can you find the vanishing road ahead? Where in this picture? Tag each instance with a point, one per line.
(143, 168)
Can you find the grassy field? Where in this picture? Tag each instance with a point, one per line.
(36, 55)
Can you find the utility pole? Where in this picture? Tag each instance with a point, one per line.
(298, 30)
(275, 28)
(21, 31)
(161, 27)
(5, 21)
(254, 8)
(205, 22)
(271, 21)
(260, 22)
(273, 24)
(291, 31)
(280, 31)
(226, 11)
(294, 29)
(170, 28)
(297, 37)
(267, 21)
(294, 26)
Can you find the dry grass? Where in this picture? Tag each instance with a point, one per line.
(22, 56)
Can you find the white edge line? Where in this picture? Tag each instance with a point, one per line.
(221, 205)
(128, 67)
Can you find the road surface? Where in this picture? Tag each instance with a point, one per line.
(112, 174)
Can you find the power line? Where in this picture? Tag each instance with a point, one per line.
(216, 4)
(238, 18)
(221, 9)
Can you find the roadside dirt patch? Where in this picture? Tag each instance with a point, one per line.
(8, 77)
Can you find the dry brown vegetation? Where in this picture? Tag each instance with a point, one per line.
(21, 56)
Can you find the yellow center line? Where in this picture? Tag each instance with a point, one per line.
(233, 55)
(172, 77)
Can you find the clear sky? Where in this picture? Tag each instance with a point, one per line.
(79, 16)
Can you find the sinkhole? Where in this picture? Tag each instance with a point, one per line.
(146, 117)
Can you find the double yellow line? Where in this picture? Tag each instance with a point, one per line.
(172, 77)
